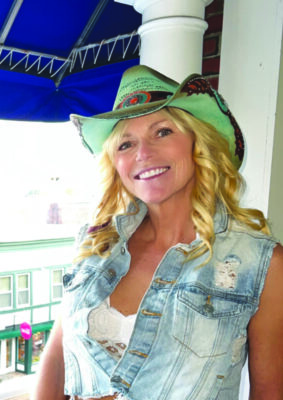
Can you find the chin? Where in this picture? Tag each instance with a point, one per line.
(153, 200)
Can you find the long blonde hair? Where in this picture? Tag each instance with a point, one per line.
(217, 181)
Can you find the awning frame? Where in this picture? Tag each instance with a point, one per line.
(54, 67)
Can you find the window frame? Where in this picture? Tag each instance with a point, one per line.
(8, 292)
(53, 285)
(18, 291)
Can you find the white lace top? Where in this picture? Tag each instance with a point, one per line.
(110, 328)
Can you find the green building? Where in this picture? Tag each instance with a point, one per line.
(30, 292)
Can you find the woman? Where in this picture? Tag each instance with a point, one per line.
(175, 281)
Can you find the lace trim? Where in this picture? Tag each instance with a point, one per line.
(111, 329)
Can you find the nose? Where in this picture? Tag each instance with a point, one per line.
(144, 150)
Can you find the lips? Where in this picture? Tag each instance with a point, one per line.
(151, 173)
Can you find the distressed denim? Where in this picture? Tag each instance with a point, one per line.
(190, 337)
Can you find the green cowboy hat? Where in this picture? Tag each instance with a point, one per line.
(143, 91)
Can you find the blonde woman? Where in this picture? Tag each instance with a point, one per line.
(175, 283)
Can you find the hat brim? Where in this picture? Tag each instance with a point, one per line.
(95, 130)
(206, 105)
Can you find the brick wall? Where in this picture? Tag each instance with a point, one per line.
(212, 42)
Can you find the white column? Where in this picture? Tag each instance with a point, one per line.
(171, 35)
(275, 213)
(249, 71)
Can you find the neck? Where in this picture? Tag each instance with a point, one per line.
(168, 224)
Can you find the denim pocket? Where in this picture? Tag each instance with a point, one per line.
(205, 319)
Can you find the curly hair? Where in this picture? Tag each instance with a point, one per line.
(217, 181)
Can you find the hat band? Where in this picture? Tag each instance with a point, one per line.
(143, 97)
(199, 85)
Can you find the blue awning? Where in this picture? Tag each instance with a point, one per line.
(62, 57)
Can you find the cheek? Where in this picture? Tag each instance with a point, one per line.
(122, 168)
(118, 163)
(186, 166)
(185, 170)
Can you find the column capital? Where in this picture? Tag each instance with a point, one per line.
(178, 23)
(171, 35)
(149, 8)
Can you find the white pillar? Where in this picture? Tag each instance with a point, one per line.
(249, 71)
(171, 35)
(275, 213)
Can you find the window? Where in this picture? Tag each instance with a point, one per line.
(23, 290)
(57, 284)
(21, 350)
(38, 342)
(9, 344)
(6, 294)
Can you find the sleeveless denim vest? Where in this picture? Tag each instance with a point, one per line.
(190, 336)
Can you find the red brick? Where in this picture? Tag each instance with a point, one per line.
(215, 7)
(211, 66)
(211, 46)
(215, 23)
(214, 80)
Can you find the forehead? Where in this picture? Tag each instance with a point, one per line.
(149, 121)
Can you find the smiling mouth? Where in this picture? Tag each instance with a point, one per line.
(152, 173)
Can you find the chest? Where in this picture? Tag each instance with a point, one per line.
(129, 292)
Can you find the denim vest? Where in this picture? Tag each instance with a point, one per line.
(190, 336)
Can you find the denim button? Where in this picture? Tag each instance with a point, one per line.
(208, 308)
(111, 273)
(116, 378)
(123, 250)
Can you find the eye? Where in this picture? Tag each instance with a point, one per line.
(164, 132)
(124, 146)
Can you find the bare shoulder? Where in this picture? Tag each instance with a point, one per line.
(277, 257)
(274, 279)
(272, 291)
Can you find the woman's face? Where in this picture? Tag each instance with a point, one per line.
(154, 159)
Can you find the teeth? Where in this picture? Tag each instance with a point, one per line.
(152, 172)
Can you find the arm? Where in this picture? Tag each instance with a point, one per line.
(265, 335)
(51, 375)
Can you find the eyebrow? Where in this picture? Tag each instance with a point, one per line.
(157, 123)
(127, 134)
